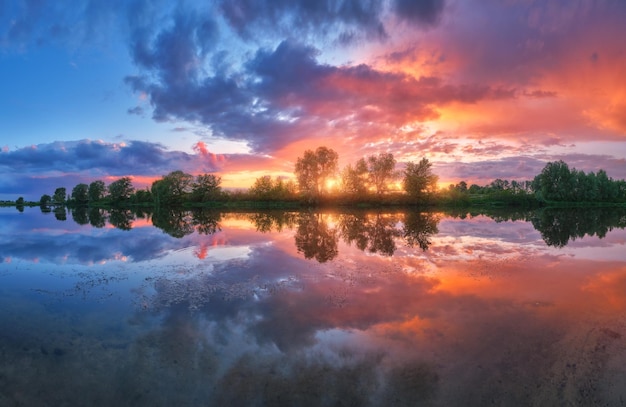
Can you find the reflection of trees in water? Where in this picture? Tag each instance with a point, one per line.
(60, 213)
(121, 218)
(179, 223)
(206, 222)
(79, 215)
(176, 223)
(419, 228)
(314, 238)
(559, 226)
(373, 232)
(273, 220)
(97, 217)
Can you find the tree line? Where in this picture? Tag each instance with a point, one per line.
(372, 179)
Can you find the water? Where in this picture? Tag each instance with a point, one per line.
(312, 308)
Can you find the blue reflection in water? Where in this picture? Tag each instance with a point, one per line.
(308, 309)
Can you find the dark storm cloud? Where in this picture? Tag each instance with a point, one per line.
(419, 11)
(343, 19)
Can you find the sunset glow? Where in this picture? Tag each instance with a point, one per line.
(241, 89)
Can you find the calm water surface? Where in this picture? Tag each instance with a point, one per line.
(312, 308)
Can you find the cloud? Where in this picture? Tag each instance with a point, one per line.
(341, 20)
(426, 12)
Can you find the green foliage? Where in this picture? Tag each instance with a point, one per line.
(558, 183)
(80, 194)
(142, 196)
(206, 188)
(121, 190)
(419, 179)
(59, 196)
(97, 191)
(172, 189)
(45, 200)
(20, 201)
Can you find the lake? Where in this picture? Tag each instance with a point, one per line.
(329, 307)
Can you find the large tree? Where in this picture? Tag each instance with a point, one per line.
(314, 169)
(96, 191)
(419, 179)
(59, 196)
(80, 194)
(206, 188)
(555, 182)
(381, 171)
(172, 188)
(121, 190)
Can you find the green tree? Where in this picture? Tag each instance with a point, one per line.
(554, 183)
(172, 189)
(381, 170)
(96, 191)
(59, 196)
(419, 179)
(20, 201)
(80, 194)
(45, 200)
(314, 169)
(142, 196)
(121, 190)
(206, 188)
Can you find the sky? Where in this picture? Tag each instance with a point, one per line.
(483, 89)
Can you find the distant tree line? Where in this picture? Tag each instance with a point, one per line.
(373, 179)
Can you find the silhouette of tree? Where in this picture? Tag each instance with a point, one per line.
(381, 171)
(314, 169)
(419, 179)
(354, 179)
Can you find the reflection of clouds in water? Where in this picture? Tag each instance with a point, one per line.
(252, 320)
